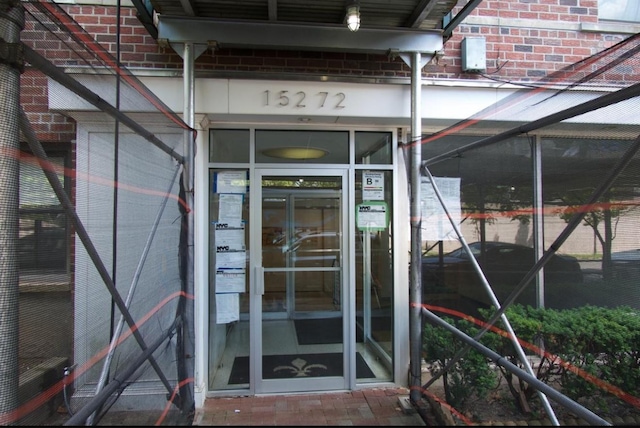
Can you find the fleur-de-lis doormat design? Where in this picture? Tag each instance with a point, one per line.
(300, 368)
(297, 366)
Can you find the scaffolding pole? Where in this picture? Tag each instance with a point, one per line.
(11, 23)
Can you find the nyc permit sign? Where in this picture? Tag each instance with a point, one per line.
(372, 215)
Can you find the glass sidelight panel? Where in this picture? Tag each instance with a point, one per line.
(229, 343)
(374, 275)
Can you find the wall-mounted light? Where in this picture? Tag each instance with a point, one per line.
(300, 153)
(353, 15)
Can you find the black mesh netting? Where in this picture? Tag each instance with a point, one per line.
(104, 301)
(97, 305)
(542, 189)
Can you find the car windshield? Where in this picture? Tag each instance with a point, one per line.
(462, 253)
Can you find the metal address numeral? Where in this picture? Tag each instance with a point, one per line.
(284, 100)
(324, 98)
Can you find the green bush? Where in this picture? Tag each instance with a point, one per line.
(579, 351)
(470, 376)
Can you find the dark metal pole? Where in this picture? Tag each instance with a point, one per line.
(11, 23)
(187, 334)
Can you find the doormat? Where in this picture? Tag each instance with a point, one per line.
(297, 365)
(321, 331)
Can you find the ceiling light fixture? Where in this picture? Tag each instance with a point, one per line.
(300, 153)
(353, 15)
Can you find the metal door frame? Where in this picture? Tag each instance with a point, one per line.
(258, 384)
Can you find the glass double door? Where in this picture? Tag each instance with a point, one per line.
(300, 311)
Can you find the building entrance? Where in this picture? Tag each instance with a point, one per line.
(300, 262)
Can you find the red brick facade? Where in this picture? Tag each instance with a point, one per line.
(514, 52)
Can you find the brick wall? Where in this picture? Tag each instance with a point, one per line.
(528, 39)
(49, 127)
(525, 40)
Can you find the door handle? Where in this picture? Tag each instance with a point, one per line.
(259, 280)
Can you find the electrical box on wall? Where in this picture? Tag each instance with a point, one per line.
(474, 54)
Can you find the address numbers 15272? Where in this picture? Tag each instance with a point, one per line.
(301, 100)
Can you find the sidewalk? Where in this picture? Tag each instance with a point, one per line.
(372, 407)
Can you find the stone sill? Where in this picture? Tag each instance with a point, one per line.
(44, 282)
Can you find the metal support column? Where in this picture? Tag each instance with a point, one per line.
(415, 324)
(187, 339)
(538, 217)
(11, 23)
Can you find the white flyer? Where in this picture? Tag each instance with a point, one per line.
(231, 259)
(230, 207)
(227, 308)
(230, 182)
(229, 237)
(230, 280)
(436, 226)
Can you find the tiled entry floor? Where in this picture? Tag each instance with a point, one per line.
(281, 339)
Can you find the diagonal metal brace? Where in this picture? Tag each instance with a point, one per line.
(12, 54)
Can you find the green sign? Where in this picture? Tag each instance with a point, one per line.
(372, 215)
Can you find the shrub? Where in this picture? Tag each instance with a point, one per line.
(586, 353)
(469, 376)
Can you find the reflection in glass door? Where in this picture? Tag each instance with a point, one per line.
(302, 302)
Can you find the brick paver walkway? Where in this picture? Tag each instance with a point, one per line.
(371, 407)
